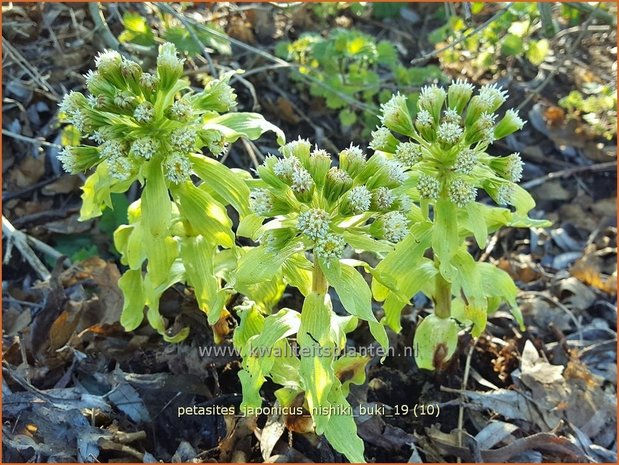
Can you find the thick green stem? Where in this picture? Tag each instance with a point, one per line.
(442, 297)
(319, 281)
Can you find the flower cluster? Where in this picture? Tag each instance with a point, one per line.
(447, 142)
(313, 200)
(135, 116)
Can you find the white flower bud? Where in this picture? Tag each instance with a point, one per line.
(302, 182)
(424, 119)
(459, 94)
(337, 175)
(395, 226)
(78, 159)
(514, 167)
(120, 167)
(318, 165)
(113, 148)
(183, 139)
(145, 147)
(217, 96)
(337, 182)
(352, 160)
(461, 193)
(144, 112)
(314, 223)
(261, 202)
(452, 116)
(90, 76)
(404, 203)
(180, 111)
(330, 247)
(395, 115)
(382, 199)
(509, 167)
(79, 120)
(510, 123)
(284, 167)
(108, 61)
(486, 121)
(71, 103)
(431, 99)
(382, 139)
(149, 82)
(428, 187)
(492, 97)
(177, 167)
(68, 158)
(465, 161)
(449, 133)
(408, 153)
(100, 135)
(168, 61)
(504, 194)
(396, 171)
(299, 148)
(359, 199)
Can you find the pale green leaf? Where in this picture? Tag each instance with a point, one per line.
(314, 337)
(522, 200)
(351, 288)
(298, 273)
(133, 293)
(445, 240)
(198, 256)
(156, 205)
(362, 241)
(497, 283)
(222, 183)
(205, 215)
(407, 252)
(436, 340)
(341, 431)
(249, 226)
(261, 263)
(476, 223)
(250, 125)
(162, 251)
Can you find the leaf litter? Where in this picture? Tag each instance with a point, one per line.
(76, 387)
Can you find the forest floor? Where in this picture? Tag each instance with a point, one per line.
(76, 386)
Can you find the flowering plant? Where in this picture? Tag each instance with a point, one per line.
(152, 128)
(325, 211)
(417, 193)
(444, 149)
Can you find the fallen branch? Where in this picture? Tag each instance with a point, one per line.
(607, 166)
(18, 239)
(24, 243)
(546, 442)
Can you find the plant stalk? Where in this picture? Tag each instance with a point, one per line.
(319, 281)
(442, 297)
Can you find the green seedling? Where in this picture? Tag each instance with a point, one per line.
(348, 66)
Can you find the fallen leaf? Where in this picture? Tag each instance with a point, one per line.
(64, 185)
(29, 171)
